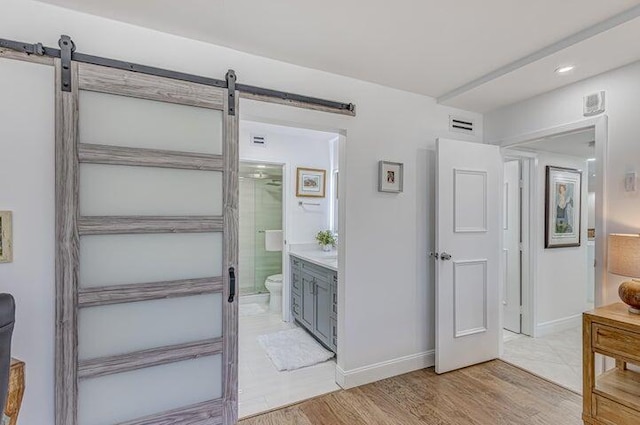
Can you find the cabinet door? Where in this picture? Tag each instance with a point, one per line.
(322, 322)
(308, 304)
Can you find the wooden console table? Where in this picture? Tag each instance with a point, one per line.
(612, 398)
(16, 391)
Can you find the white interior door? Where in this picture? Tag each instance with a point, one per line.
(511, 298)
(468, 232)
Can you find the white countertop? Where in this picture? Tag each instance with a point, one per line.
(315, 255)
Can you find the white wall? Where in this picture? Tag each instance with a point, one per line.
(27, 188)
(561, 273)
(386, 292)
(564, 106)
(294, 150)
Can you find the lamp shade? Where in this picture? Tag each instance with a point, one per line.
(624, 255)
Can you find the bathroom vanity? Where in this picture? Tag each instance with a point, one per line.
(314, 298)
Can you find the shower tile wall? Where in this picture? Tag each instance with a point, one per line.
(260, 210)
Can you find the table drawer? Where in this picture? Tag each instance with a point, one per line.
(610, 412)
(616, 341)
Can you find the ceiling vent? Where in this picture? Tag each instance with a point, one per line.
(594, 104)
(258, 140)
(461, 125)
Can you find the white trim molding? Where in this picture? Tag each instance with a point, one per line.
(387, 369)
(558, 325)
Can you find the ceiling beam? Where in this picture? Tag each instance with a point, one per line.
(621, 18)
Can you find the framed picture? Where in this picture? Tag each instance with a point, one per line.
(563, 207)
(6, 248)
(390, 176)
(311, 182)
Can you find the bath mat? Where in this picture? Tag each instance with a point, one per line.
(293, 349)
(251, 309)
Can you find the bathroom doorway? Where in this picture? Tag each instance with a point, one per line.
(283, 357)
(261, 224)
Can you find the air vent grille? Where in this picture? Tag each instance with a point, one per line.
(461, 125)
(258, 140)
(594, 104)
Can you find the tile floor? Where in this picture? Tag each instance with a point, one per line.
(556, 357)
(261, 386)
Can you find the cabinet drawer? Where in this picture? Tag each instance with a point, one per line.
(616, 341)
(317, 271)
(610, 412)
(296, 305)
(296, 299)
(296, 310)
(296, 282)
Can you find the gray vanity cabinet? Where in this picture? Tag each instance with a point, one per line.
(314, 300)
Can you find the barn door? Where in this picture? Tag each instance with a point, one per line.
(146, 222)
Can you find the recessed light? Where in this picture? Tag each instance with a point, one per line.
(591, 159)
(564, 69)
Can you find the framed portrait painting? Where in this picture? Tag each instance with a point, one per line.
(563, 207)
(311, 182)
(390, 176)
(6, 248)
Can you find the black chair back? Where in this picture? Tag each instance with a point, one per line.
(7, 319)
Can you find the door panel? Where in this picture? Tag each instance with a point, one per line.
(131, 259)
(470, 297)
(146, 250)
(511, 292)
(121, 397)
(142, 191)
(108, 119)
(470, 208)
(468, 234)
(308, 300)
(125, 328)
(322, 313)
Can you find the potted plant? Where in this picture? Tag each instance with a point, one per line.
(326, 240)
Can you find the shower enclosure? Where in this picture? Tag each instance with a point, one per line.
(260, 210)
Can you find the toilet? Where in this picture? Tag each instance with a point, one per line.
(274, 286)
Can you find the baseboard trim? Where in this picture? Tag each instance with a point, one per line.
(558, 325)
(387, 369)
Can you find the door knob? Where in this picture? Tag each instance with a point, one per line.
(445, 256)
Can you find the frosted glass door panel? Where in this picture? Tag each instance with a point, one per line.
(107, 119)
(123, 328)
(127, 259)
(126, 396)
(123, 190)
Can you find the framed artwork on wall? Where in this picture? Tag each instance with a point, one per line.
(563, 207)
(310, 182)
(390, 176)
(6, 247)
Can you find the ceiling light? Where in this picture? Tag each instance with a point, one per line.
(261, 166)
(591, 159)
(565, 69)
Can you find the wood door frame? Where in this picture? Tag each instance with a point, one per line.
(600, 126)
(70, 225)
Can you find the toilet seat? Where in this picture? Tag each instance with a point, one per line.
(275, 278)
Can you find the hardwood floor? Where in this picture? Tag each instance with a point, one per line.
(493, 393)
